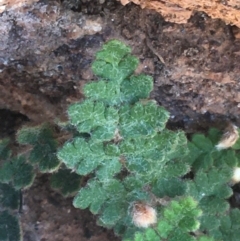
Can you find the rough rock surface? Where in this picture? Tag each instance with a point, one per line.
(179, 11)
(47, 50)
(12, 4)
(33, 38)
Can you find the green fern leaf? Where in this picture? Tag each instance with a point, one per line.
(6, 172)
(5, 153)
(230, 226)
(171, 187)
(140, 167)
(112, 150)
(94, 117)
(85, 157)
(44, 146)
(136, 88)
(130, 90)
(9, 227)
(8, 196)
(203, 155)
(72, 154)
(214, 135)
(113, 52)
(189, 224)
(194, 153)
(115, 189)
(164, 228)
(109, 169)
(202, 142)
(209, 223)
(213, 205)
(175, 168)
(66, 181)
(85, 111)
(204, 161)
(112, 213)
(151, 235)
(224, 157)
(178, 210)
(205, 239)
(179, 235)
(104, 91)
(18, 172)
(142, 119)
(131, 182)
(87, 165)
(28, 135)
(44, 156)
(93, 196)
(139, 237)
(209, 183)
(116, 73)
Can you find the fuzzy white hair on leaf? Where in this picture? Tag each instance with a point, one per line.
(236, 176)
(229, 138)
(143, 215)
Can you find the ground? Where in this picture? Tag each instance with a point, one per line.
(195, 67)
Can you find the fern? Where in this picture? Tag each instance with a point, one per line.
(66, 181)
(44, 147)
(17, 173)
(178, 220)
(126, 134)
(142, 180)
(124, 147)
(9, 227)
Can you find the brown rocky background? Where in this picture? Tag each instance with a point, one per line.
(180, 11)
(46, 50)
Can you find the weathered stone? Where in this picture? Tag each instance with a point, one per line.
(179, 11)
(41, 56)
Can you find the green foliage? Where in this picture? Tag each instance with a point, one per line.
(8, 196)
(122, 148)
(17, 172)
(131, 156)
(181, 214)
(9, 227)
(114, 62)
(170, 187)
(213, 171)
(141, 119)
(178, 220)
(66, 181)
(5, 153)
(229, 227)
(204, 155)
(95, 118)
(112, 93)
(126, 134)
(44, 147)
(86, 156)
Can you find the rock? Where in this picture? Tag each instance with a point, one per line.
(42, 56)
(180, 11)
